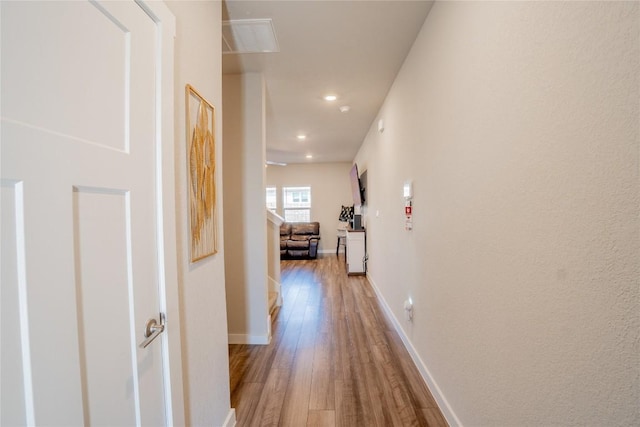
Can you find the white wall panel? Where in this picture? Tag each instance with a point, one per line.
(48, 68)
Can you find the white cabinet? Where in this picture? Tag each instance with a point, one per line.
(356, 251)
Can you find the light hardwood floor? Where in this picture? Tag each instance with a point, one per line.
(334, 359)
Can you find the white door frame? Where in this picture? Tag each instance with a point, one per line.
(167, 254)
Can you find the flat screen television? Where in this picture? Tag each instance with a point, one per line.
(356, 187)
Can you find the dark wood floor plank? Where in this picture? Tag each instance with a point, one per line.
(346, 405)
(434, 417)
(322, 378)
(295, 410)
(412, 375)
(342, 347)
(366, 382)
(262, 357)
(239, 363)
(296, 404)
(245, 401)
(334, 360)
(396, 393)
(269, 407)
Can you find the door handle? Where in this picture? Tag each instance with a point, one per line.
(152, 330)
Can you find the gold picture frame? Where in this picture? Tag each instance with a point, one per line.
(201, 169)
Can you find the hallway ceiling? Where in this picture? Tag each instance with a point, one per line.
(352, 49)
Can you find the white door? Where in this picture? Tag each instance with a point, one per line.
(82, 220)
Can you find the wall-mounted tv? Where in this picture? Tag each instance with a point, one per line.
(356, 187)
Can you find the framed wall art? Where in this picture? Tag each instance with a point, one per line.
(201, 168)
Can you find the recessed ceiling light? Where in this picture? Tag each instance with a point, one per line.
(345, 109)
(309, 156)
(302, 137)
(330, 98)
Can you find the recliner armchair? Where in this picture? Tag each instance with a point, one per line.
(299, 239)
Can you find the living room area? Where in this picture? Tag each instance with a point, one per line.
(326, 189)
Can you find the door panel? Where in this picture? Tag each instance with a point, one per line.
(80, 143)
(14, 407)
(104, 292)
(56, 65)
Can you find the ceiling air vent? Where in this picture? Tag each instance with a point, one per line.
(249, 36)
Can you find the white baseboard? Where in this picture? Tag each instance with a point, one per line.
(230, 421)
(252, 339)
(248, 339)
(329, 251)
(442, 402)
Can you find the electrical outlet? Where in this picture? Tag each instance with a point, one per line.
(408, 310)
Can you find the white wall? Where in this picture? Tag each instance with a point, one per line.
(330, 189)
(518, 123)
(245, 212)
(203, 310)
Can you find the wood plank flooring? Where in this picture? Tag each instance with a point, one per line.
(334, 359)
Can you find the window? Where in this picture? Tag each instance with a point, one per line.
(296, 204)
(272, 203)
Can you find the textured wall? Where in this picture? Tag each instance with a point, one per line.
(203, 310)
(518, 123)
